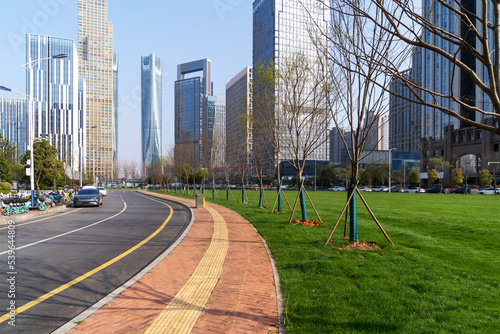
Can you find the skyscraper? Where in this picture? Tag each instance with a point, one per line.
(239, 142)
(95, 56)
(115, 106)
(282, 30)
(151, 108)
(219, 141)
(189, 96)
(14, 122)
(378, 136)
(53, 85)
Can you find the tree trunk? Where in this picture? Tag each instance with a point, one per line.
(353, 218)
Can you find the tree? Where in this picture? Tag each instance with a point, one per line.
(472, 44)
(492, 160)
(9, 156)
(457, 177)
(413, 177)
(327, 176)
(183, 172)
(305, 86)
(432, 176)
(45, 162)
(439, 164)
(485, 177)
(117, 166)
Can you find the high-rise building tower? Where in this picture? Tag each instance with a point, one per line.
(115, 107)
(14, 122)
(378, 136)
(53, 85)
(239, 141)
(219, 138)
(190, 92)
(151, 108)
(95, 65)
(282, 29)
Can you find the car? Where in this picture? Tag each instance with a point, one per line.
(337, 188)
(414, 190)
(462, 190)
(364, 189)
(379, 189)
(103, 191)
(488, 191)
(435, 190)
(88, 196)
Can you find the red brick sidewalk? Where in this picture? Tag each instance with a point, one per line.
(243, 301)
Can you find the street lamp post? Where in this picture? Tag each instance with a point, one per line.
(31, 117)
(390, 167)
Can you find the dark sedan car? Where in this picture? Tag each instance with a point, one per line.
(88, 196)
(435, 190)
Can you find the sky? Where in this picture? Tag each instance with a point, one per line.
(176, 31)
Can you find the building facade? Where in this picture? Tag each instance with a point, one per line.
(95, 65)
(115, 107)
(282, 30)
(54, 84)
(239, 140)
(190, 93)
(14, 122)
(378, 132)
(219, 141)
(151, 108)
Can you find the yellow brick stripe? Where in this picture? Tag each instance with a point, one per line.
(181, 314)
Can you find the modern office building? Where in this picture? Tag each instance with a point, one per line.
(405, 117)
(151, 108)
(281, 30)
(95, 65)
(442, 135)
(193, 86)
(219, 138)
(378, 132)
(239, 140)
(14, 122)
(115, 107)
(53, 84)
(338, 151)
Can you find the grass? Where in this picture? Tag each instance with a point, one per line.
(443, 277)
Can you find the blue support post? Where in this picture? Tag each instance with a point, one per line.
(243, 199)
(227, 192)
(213, 190)
(261, 204)
(353, 220)
(280, 206)
(303, 202)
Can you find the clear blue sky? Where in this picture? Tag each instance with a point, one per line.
(176, 31)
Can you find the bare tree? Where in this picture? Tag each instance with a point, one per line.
(133, 171)
(117, 166)
(471, 41)
(125, 171)
(360, 53)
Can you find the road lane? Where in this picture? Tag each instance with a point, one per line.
(47, 265)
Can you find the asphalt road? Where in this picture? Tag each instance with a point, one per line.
(88, 244)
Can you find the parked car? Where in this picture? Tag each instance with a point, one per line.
(364, 189)
(88, 196)
(379, 189)
(488, 191)
(396, 189)
(337, 188)
(414, 190)
(434, 190)
(103, 191)
(462, 190)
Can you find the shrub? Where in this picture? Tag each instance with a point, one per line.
(6, 186)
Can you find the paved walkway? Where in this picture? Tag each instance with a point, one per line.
(219, 279)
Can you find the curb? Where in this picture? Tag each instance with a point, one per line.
(105, 300)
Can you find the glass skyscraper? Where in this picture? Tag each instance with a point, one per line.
(282, 29)
(53, 84)
(14, 123)
(151, 108)
(115, 106)
(95, 65)
(219, 141)
(190, 94)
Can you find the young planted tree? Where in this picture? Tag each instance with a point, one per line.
(440, 165)
(133, 172)
(360, 52)
(485, 177)
(304, 86)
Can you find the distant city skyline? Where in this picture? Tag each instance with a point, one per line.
(230, 20)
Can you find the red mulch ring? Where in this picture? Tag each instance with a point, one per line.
(362, 245)
(306, 222)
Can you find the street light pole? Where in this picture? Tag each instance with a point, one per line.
(390, 167)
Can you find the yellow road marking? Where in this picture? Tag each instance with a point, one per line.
(88, 274)
(181, 314)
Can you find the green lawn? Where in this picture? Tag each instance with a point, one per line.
(443, 277)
